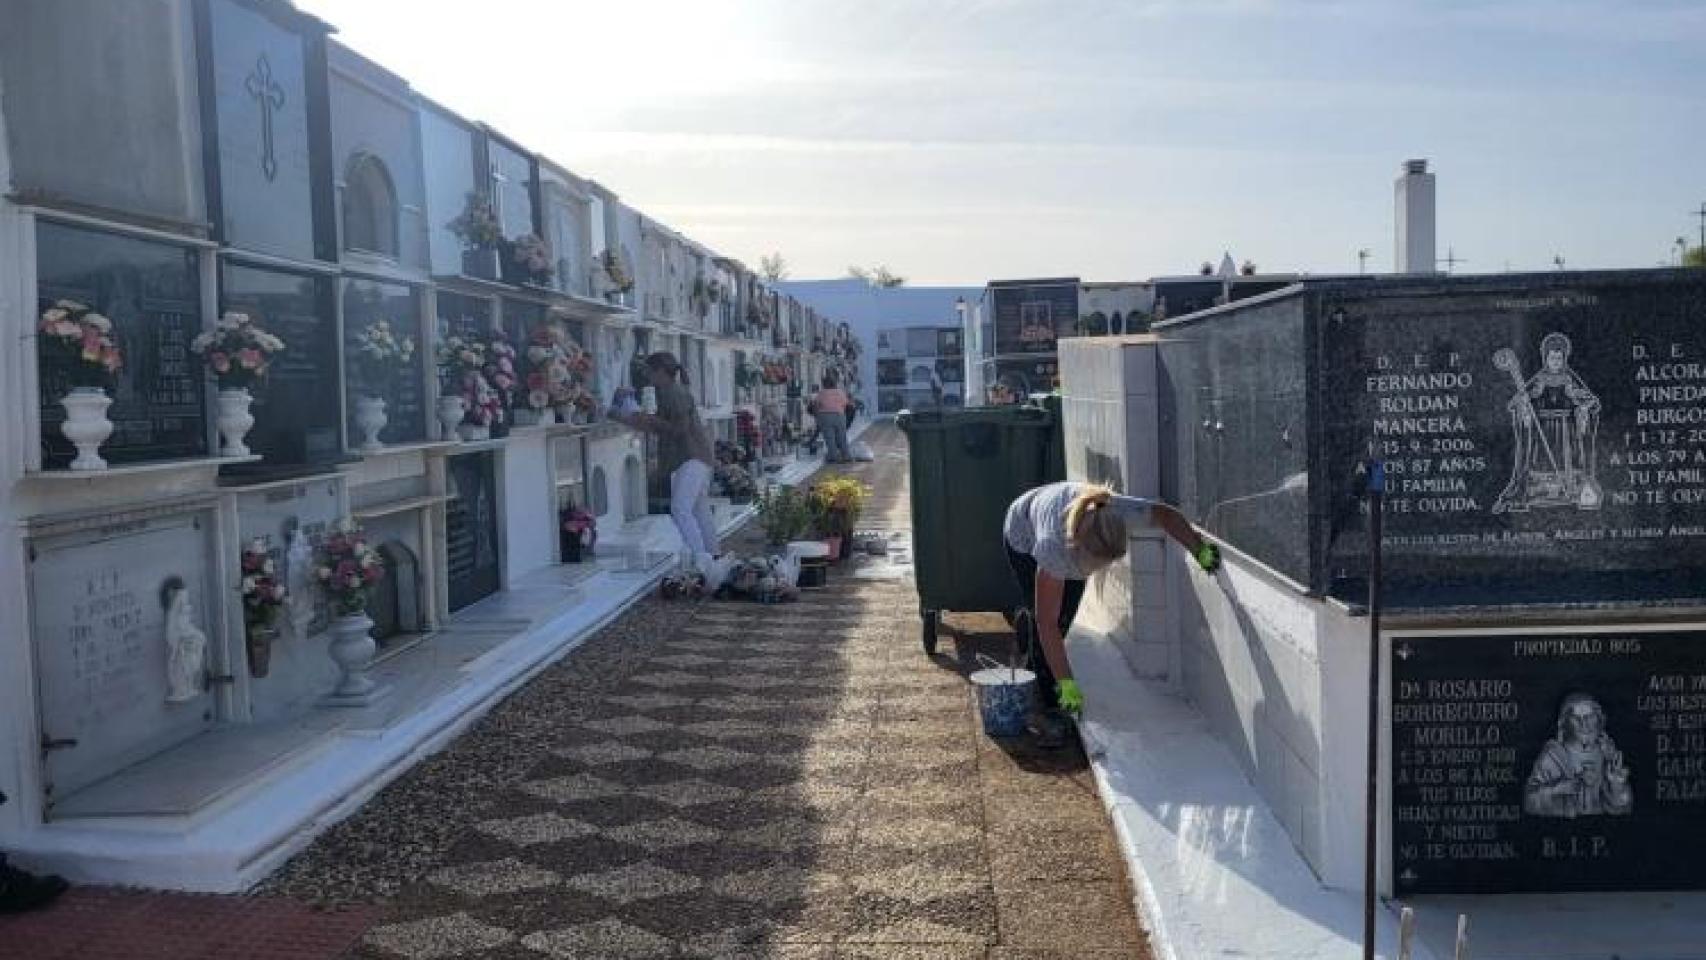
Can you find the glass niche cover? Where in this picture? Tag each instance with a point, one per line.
(384, 359)
(296, 409)
(151, 293)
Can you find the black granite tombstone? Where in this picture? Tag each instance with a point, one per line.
(1030, 316)
(1545, 435)
(401, 386)
(1548, 762)
(471, 529)
(152, 294)
(297, 409)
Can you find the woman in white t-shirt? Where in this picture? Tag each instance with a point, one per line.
(1057, 536)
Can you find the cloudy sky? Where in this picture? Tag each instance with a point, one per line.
(964, 140)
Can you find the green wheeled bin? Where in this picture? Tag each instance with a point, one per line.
(966, 466)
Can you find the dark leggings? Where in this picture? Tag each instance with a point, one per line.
(1025, 571)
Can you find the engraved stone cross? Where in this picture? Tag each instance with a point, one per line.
(270, 96)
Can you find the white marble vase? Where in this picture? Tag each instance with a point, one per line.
(86, 425)
(352, 649)
(370, 419)
(475, 432)
(235, 421)
(451, 410)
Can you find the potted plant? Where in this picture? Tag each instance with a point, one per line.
(577, 533)
(840, 499)
(618, 278)
(377, 353)
(78, 342)
(785, 513)
(263, 597)
(478, 228)
(527, 260)
(347, 569)
(238, 352)
(735, 483)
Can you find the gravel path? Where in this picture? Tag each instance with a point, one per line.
(729, 780)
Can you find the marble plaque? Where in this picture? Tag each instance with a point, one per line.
(1549, 762)
(98, 603)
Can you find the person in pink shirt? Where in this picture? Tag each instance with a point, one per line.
(829, 405)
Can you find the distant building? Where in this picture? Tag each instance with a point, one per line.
(920, 325)
(1013, 328)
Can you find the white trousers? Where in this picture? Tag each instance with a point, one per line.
(690, 508)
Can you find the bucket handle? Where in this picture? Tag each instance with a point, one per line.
(988, 662)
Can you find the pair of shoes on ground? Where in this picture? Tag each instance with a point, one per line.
(21, 890)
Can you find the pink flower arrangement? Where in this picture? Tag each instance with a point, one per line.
(82, 342)
(500, 368)
(348, 568)
(263, 594)
(557, 370)
(237, 350)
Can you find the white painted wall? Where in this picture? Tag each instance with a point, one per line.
(530, 533)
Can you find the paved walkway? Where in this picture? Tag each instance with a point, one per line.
(729, 780)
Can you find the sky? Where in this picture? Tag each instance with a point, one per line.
(959, 141)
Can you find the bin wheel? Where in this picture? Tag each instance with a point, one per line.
(931, 619)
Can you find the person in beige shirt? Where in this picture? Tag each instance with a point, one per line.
(684, 453)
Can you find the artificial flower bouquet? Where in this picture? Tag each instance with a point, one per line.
(237, 350)
(348, 568)
(80, 341)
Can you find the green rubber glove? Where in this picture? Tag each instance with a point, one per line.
(1070, 697)
(1208, 557)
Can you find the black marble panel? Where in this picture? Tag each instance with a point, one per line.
(1545, 439)
(152, 294)
(296, 410)
(403, 387)
(1549, 762)
(1544, 435)
(1236, 430)
(472, 561)
(1029, 318)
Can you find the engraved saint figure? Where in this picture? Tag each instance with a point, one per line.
(1556, 420)
(1580, 771)
(186, 645)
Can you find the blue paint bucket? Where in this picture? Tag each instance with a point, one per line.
(1004, 699)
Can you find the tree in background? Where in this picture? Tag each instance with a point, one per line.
(773, 267)
(1694, 257)
(877, 276)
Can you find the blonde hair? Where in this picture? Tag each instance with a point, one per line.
(1093, 528)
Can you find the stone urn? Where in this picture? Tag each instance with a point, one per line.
(451, 410)
(370, 419)
(352, 649)
(475, 432)
(86, 425)
(234, 421)
(258, 639)
(547, 416)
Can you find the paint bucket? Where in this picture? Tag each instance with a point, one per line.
(1004, 699)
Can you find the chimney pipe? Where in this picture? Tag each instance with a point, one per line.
(1415, 219)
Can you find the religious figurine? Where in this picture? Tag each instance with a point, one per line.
(1556, 420)
(299, 580)
(1580, 771)
(186, 645)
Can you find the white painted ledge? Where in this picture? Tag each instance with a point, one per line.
(1215, 873)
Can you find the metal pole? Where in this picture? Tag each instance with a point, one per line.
(1376, 501)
